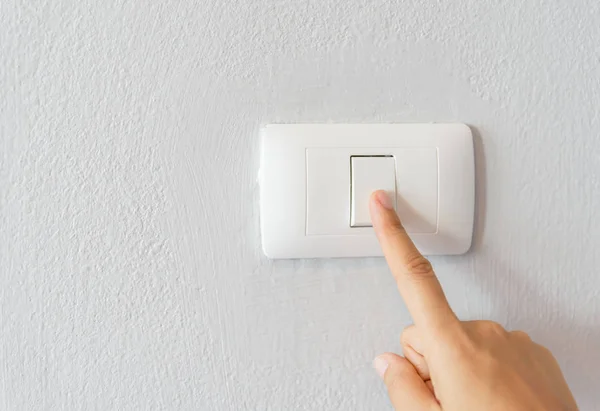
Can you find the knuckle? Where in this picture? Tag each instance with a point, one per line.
(411, 338)
(544, 351)
(418, 265)
(493, 329)
(406, 334)
(459, 343)
(521, 335)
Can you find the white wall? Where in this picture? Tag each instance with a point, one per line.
(131, 275)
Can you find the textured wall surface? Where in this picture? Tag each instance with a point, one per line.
(131, 275)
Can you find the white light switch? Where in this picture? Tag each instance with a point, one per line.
(368, 174)
(316, 180)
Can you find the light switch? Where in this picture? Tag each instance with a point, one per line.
(316, 181)
(368, 174)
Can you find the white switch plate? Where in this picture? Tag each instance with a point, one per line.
(305, 187)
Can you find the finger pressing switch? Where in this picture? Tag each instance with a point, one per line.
(369, 174)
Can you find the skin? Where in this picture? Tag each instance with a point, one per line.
(455, 365)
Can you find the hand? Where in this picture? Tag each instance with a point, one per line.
(457, 365)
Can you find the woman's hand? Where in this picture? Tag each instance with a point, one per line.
(456, 365)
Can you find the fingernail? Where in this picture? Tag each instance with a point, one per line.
(384, 199)
(380, 365)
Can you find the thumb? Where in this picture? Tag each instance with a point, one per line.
(405, 387)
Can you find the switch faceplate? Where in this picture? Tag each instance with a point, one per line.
(307, 186)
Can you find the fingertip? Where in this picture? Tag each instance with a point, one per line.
(383, 210)
(374, 207)
(381, 198)
(382, 362)
(406, 388)
(381, 365)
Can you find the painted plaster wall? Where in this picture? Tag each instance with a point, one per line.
(131, 275)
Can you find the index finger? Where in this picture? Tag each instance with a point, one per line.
(416, 280)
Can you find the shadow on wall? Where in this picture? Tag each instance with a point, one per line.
(575, 345)
(480, 189)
